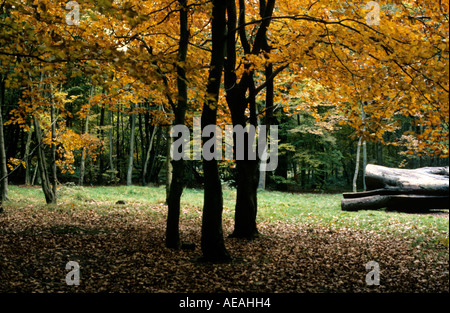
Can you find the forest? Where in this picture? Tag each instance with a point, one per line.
(90, 92)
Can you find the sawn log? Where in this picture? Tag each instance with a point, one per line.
(401, 189)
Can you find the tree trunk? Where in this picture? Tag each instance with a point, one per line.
(355, 176)
(147, 157)
(168, 163)
(54, 178)
(131, 153)
(36, 169)
(177, 183)
(102, 138)
(154, 170)
(144, 143)
(364, 148)
(174, 206)
(379, 146)
(50, 196)
(28, 157)
(111, 146)
(3, 161)
(247, 170)
(118, 149)
(246, 200)
(212, 241)
(83, 154)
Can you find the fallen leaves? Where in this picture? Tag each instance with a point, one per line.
(122, 250)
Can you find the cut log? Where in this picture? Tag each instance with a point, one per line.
(432, 179)
(404, 203)
(395, 191)
(404, 190)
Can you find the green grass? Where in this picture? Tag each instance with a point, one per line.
(312, 210)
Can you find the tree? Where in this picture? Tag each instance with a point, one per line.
(212, 242)
(131, 152)
(86, 130)
(3, 168)
(236, 91)
(178, 181)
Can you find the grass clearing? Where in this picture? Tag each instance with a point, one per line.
(307, 245)
(322, 210)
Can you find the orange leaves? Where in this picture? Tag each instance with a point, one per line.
(69, 142)
(399, 66)
(13, 162)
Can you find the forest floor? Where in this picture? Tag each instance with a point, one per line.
(307, 244)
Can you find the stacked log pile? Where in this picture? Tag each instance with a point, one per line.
(407, 190)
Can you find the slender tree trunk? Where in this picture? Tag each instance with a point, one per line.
(355, 176)
(364, 153)
(364, 148)
(212, 241)
(83, 154)
(118, 149)
(168, 163)
(144, 144)
(269, 106)
(34, 175)
(111, 146)
(379, 146)
(53, 152)
(102, 137)
(3, 168)
(147, 157)
(178, 181)
(50, 196)
(262, 177)
(131, 154)
(49, 191)
(153, 171)
(28, 157)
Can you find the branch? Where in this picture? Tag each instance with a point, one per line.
(158, 70)
(271, 78)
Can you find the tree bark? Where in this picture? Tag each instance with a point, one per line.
(147, 157)
(401, 189)
(177, 183)
(111, 146)
(174, 206)
(83, 154)
(212, 241)
(168, 164)
(50, 196)
(428, 179)
(355, 176)
(28, 157)
(102, 138)
(131, 151)
(246, 200)
(3, 167)
(53, 152)
(364, 148)
(399, 202)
